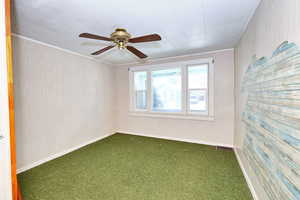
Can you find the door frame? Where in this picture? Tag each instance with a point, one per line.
(5, 153)
(9, 183)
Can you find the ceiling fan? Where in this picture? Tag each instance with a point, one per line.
(121, 38)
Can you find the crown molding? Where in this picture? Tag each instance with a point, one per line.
(132, 64)
(60, 49)
(173, 58)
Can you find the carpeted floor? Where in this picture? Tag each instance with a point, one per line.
(125, 167)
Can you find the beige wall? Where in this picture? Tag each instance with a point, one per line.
(274, 22)
(62, 100)
(219, 132)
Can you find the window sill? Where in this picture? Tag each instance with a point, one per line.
(173, 116)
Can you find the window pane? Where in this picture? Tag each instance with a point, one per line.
(141, 99)
(166, 90)
(140, 80)
(140, 87)
(198, 100)
(198, 76)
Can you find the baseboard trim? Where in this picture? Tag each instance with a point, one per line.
(39, 162)
(248, 180)
(176, 139)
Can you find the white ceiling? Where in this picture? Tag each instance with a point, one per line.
(189, 26)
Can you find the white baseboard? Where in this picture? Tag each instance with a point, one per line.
(39, 162)
(248, 180)
(177, 139)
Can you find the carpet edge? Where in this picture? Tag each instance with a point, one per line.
(57, 155)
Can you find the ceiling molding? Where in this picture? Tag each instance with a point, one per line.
(60, 49)
(142, 62)
(173, 58)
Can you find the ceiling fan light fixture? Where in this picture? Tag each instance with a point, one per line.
(121, 44)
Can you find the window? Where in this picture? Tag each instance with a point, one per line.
(140, 90)
(198, 88)
(181, 89)
(166, 90)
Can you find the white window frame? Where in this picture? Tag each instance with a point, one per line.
(185, 112)
(150, 96)
(132, 93)
(196, 89)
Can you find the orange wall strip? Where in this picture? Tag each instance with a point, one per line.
(15, 188)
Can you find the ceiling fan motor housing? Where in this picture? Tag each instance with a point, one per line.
(120, 37)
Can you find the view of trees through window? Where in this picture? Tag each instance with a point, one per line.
(166, 90)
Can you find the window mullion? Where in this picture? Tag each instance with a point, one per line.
(210, 91)
(193, 89)
(149, 91)
(131, 92)
(184, 89)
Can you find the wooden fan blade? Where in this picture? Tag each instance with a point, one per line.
(103, 50)
(136, 52)
(145, 38)
(96, 37)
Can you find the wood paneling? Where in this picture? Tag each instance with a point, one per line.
(271, 118)
(15, 189)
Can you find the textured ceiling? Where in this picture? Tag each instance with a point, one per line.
(189, 26)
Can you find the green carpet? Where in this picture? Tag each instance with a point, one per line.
(125, 167)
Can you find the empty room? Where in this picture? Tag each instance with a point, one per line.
(150, 100)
